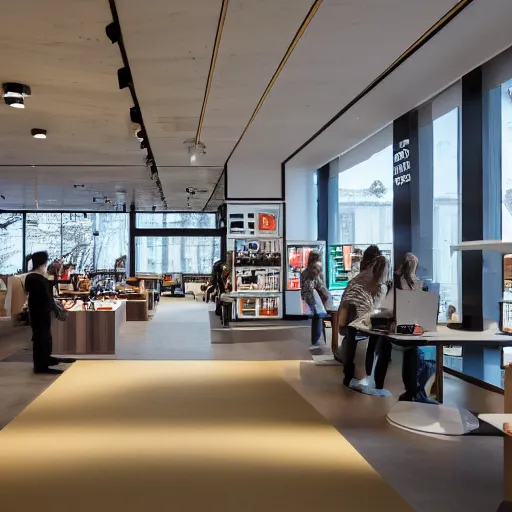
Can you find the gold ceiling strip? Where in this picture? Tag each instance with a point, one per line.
(216, 46)
(434, 28)
(282, 64)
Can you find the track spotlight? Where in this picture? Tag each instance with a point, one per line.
(38, 133)
(140, 134)
(124, 77)
(144, 144)
(113, 32)
(135, 116)
(14, 94)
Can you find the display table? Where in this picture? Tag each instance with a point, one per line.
(440, 419)
(89, 332)
(137, 310)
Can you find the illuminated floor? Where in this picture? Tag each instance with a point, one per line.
(162, 436)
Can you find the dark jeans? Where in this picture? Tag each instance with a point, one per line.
(381, 347)
(376, 345)
(317, 329)
(42, 345)
(415, 373)
(410, 371)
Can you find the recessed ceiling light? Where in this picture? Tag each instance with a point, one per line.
(14, 94)
(193, 158)
(15, 102)
(38, 133)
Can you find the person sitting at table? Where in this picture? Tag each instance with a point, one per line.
(369, 255)
(357, 303)
(416, 370)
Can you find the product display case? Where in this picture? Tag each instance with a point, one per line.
(255, 249)
(340, 266)
(297, 254)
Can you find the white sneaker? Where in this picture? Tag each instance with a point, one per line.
(314, 347)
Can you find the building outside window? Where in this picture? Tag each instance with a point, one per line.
(177, 220)
(170, 254)
(366, 200)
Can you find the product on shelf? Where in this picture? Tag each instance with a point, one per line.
(257, 279)
(297, 261)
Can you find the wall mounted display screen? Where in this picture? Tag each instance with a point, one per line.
(254, 220)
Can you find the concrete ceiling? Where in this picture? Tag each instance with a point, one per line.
(60, 49)
(429, 71)
(346, 46)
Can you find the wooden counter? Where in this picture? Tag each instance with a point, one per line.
(137, 310)
(89, 332)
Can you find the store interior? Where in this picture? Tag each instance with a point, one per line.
(181, 165)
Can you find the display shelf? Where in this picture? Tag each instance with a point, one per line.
(498, 246)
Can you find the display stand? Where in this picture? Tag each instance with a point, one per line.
(297, 254)
(254, 241)
(89, 332)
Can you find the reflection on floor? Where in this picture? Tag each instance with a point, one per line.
(161, 435)
(452, 474)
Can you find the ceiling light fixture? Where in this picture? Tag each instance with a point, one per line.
(113, 32)
(14, 94)
(135, 116)
(124, 77)
(195, 149)
(38, 133)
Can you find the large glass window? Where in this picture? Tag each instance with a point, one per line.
(178, 220)
(11, 240)
(93, 240)
(506, 160)
(366, 201)
(446, 206)
(190, 255)
(44, 234)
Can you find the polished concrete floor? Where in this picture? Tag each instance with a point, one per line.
(431, 474)
(189, 435)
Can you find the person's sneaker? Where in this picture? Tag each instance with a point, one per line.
(314, 347)
(48, 371)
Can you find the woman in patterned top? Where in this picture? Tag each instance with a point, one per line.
(312, 279)
(356, 306)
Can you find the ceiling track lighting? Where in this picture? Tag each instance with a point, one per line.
(124, 77)
(14, 94)
(113, 32)
(135, 116)
(38, 133)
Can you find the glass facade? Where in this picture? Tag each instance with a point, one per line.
(365, 201)
(177, 220)
(89, 241)
(446, 212)
(189, 255)
(11, 240)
